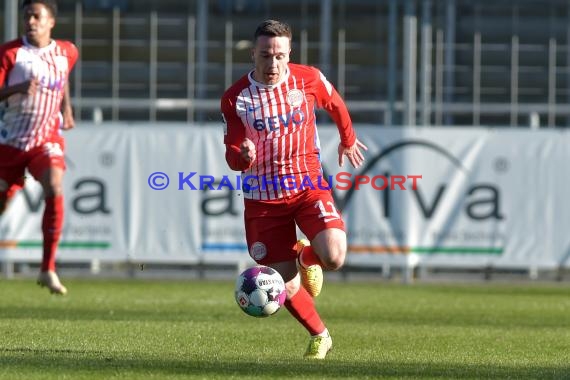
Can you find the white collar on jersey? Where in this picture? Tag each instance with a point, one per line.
(268, 86)
(29, 45)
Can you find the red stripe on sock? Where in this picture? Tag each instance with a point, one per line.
(51, 227)
(302, 307)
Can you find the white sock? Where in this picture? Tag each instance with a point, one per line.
(324, 333)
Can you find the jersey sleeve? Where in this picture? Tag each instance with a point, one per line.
(6, 64)
(330, 100)
(234, 134)
(71, 52)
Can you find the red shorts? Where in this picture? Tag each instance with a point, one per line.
(270, 226)
(13, 161)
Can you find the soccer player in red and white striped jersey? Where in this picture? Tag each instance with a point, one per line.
(271, 137)
(35, 105)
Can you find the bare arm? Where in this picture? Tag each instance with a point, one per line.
(67, 110)
(349, 146)
(240, 151)
(28, 87)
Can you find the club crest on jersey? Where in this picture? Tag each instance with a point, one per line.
(295, 98)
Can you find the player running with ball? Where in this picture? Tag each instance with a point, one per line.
(270, 133)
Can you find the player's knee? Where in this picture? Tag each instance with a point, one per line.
(52, 192)
(334, 258)
(330, 245)
(53, 189)
(52, 182)
(333, 262)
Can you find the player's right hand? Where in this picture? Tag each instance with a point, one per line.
(248, 152)
(30, 87)
(68, 119)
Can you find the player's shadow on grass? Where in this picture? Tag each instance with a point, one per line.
(68, 362)
(112, 314)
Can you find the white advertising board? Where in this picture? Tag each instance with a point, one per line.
(447, 196)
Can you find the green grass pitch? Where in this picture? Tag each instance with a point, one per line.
(149, 329)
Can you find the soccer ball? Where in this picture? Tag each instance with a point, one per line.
(260, 291)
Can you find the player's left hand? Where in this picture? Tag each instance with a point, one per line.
(353, 153)
(68, 120)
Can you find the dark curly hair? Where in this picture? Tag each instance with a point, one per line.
(51, 5)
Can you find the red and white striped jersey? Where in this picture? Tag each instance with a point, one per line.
(280, 120)
(27, 122)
